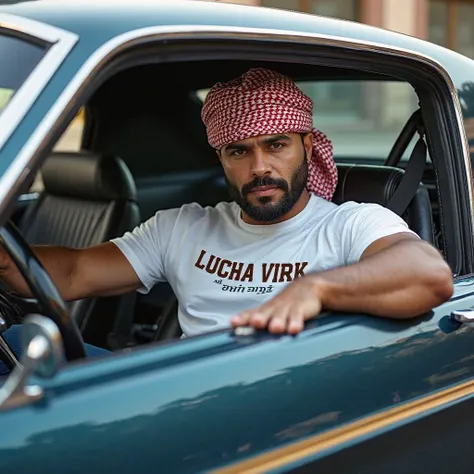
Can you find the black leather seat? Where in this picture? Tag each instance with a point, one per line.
(377, 184)
(87, 200)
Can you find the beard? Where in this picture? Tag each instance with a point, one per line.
(268, 211)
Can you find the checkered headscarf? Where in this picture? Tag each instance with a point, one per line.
(264, 102)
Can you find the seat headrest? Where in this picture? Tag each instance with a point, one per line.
(88, 175)
(365, 183)
(377, 184)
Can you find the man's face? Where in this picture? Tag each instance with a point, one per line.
(266, 175)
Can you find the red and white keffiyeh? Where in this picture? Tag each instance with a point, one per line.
(264, 102)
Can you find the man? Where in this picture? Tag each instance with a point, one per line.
(278, 254)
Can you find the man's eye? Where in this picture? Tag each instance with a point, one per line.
(277, 146)
(237, 153)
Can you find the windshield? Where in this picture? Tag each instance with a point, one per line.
(18, 58)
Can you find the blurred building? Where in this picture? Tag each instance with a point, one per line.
(449, 23)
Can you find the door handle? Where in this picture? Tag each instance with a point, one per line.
(464, 316)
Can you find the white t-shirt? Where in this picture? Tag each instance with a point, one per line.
(218, 265)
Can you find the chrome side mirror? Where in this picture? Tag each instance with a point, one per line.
(42, 356)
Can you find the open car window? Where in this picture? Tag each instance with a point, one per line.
(22, 57)
(70, 141)
(362, 118)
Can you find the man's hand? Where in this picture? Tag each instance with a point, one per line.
(397, 277)
(287, 312)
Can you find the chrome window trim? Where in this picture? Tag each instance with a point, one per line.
(61, 41)
(10, 181)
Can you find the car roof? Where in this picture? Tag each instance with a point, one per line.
(99, 19)
(102, 20)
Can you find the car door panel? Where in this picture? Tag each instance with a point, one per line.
(232, 398)
(438, 444)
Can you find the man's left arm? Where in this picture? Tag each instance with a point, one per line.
(398, 276)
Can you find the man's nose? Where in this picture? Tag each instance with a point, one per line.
(260, 164)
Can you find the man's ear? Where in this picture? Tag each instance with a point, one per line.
(308, 144)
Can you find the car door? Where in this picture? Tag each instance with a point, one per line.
(255, 401)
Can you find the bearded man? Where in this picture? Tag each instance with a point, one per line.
(276, 255)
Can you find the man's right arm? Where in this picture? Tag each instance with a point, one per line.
(101, 270)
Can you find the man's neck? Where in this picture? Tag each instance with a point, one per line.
(295, 210)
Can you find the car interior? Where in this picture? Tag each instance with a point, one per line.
(144, 149)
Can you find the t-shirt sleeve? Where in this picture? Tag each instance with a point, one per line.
(368, 223)
(145, 247)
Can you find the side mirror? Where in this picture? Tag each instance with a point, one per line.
(42, 350)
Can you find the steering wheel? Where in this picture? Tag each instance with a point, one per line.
(43, 289)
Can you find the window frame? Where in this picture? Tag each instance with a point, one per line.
(432, 82)
(57, 44)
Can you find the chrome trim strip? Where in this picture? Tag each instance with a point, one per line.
(39, 30)
(61, 41)
(467, 156)
(11, 180)
(349, 434)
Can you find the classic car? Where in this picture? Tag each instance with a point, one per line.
(352, 392)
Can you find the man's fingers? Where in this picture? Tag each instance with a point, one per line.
(277, 319)
(255, 317)
(259, 319)
(241, 319)
(277, 323)
(286, 321)
(295, 323)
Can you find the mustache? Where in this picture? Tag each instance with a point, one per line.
(265, 181)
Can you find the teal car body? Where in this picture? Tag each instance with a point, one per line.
(352, 390)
